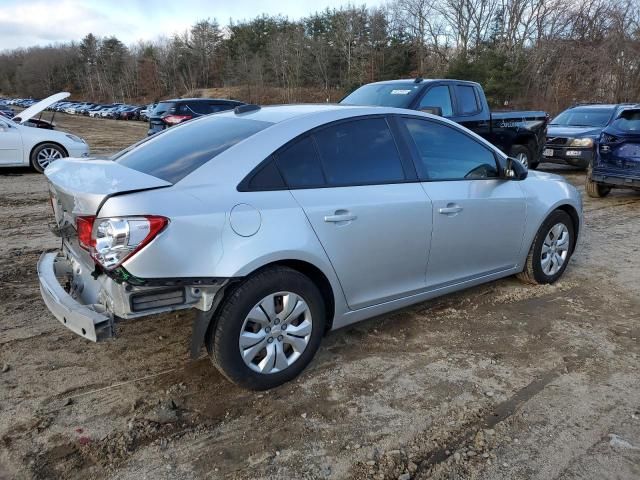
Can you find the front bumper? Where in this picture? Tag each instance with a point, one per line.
(92, 322)
(577, 157)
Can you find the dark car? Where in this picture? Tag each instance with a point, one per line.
(130, 113)
(168, 113)
(572, 135)
(617, 159)
(519, 134)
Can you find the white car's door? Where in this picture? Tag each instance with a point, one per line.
(373, 222)
(478, 218)
(10, 144)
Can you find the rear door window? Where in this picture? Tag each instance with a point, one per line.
(359, 152)
(178, 151)
(467, 101)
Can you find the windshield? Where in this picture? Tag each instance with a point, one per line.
(579, 117)
(383, 95)
(164, 107)
(628, 121)
(178, 151)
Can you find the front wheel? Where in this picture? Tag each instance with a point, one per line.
(268, 329)
(43, 155)
(550, 251)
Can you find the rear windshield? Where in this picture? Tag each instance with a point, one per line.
(383, 95)
(628, 121)
(178, 151)
(164, 107)
(578, 117)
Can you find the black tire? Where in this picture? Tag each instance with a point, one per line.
(223, 338)
(37, 164)
(522, 150)
(533, 272)
(595, 189)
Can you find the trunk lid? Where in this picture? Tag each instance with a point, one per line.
(79, 187)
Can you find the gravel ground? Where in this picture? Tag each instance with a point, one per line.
(502, 381)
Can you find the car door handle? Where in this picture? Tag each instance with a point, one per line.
(450, 209)
(340, 216)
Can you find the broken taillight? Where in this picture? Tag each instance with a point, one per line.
(84, 227)
(118, 238)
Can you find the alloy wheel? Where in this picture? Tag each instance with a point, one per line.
(555, 249)
(47, 155)
(523, 158)
(275, 332)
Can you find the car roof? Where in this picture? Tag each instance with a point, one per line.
(200, 100)
(280, 113)
(421, 81)
(600, 106)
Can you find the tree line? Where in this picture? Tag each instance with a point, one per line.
(526, 53)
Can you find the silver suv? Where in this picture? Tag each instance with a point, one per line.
(278, 224)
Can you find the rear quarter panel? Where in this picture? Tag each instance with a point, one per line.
(201, 241)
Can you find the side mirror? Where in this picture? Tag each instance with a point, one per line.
(514, 170)
(432, 110)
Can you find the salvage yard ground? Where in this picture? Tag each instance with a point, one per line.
(503, 381)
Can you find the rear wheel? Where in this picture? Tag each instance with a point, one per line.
(268, 329)
(43, 155)
(595, 189)
(550, 251)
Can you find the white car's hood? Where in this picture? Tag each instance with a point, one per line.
(36, 108)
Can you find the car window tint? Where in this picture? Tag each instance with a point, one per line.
(300, 166)
(448, 154)
(178, 151)
(467, 99)
(438, 97)
(267, 178)
(359, 152)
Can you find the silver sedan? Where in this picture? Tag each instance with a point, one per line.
(277, 224)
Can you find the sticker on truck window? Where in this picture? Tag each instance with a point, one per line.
(400, 92)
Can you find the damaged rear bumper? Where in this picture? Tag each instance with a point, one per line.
(92, 322)
(90, 306)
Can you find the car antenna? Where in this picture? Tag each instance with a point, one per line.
(418, 80)
(250, 107)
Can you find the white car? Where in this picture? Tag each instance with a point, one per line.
(24, 145)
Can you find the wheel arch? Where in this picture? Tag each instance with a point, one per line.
(313, 272)
(575, 219)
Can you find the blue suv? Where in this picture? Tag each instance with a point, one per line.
(617, 158)
(573, 134)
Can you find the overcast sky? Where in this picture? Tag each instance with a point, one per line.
(24, 23)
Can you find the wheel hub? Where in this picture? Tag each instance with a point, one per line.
(555, 249)
(275, 333)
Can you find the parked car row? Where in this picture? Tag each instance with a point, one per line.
(116, 111)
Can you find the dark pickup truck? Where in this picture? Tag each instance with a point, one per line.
(520, 134)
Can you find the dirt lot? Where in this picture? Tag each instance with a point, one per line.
(503, 381)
